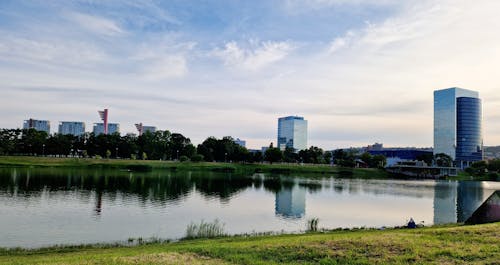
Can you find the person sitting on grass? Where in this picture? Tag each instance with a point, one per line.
(411, 224)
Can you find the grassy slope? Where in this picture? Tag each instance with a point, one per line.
(436, 245)
(122, 163)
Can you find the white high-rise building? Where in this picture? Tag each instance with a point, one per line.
(112, 128)
(292, 132)
(76, 128)
(39, 125)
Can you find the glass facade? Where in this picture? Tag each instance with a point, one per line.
(39, 125)
(292, 132)
(112, 128)
(72, 127)
(445, 119)
(469, 134)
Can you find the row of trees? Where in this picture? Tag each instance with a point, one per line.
(165, 146)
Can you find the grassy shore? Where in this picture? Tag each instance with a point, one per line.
(193, 166)
(457, 244)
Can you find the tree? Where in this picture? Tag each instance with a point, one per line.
(197, 158)
(443, 160)
(273, 155)
(494, 165)
(343, 158)
(290, 156)
(313, 155)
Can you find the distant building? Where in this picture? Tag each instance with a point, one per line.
(39, 125)
(112, 128)
(292, 132)
(150, 129)
(143, 128)
(75, 128)
(375, 146)
(240, 142)
(396, 155)
(458, 125)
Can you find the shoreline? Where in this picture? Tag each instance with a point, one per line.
(456, 243)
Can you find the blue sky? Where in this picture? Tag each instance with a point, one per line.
(360, 71)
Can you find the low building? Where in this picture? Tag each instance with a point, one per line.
(396, 155)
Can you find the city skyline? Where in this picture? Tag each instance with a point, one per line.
(338, 63)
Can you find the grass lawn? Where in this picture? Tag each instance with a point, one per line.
(175, 165)
(478, 244)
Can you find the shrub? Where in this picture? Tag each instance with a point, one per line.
(205, 230)
(197, 158)
(183, 158)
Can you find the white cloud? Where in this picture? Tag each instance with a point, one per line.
(49, 51)
(95, 24)
(259, 55)
(168, 66)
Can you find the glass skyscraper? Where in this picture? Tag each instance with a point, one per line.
(458, 125)
(292, 132)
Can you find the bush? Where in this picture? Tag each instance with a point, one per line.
(205, 230)
(183, 158)
(197, 158)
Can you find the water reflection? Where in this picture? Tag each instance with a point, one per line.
(61, 205)
(291, 201)
(456, 201)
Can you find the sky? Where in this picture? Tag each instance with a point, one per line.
(360, 71)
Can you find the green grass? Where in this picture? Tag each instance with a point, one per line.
(24, 161)
(478, 244)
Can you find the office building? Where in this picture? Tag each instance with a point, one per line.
(112, 128)
(39, 125)
(75, 128)
(143, 128)
(292, 132)
(458, 125)
(150, 129)
(240, 142)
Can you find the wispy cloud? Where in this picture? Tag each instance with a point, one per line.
(257, 56)
(95, 24)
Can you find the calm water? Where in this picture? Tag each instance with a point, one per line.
(41, 207)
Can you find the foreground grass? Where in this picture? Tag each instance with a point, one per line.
(435, 245)
(174, 165)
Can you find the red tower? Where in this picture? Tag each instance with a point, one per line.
(139, 128)
(104, 117)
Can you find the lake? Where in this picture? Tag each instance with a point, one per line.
(48, 206)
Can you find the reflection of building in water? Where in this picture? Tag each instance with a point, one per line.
(470, 197)
(445, 202)
(291, 202)
(456, 201)
(98, 203)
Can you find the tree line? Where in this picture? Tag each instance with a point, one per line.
(164, 145)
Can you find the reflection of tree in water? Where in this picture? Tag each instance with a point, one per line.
(312, 187)
(157, 186)
(221, 185)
